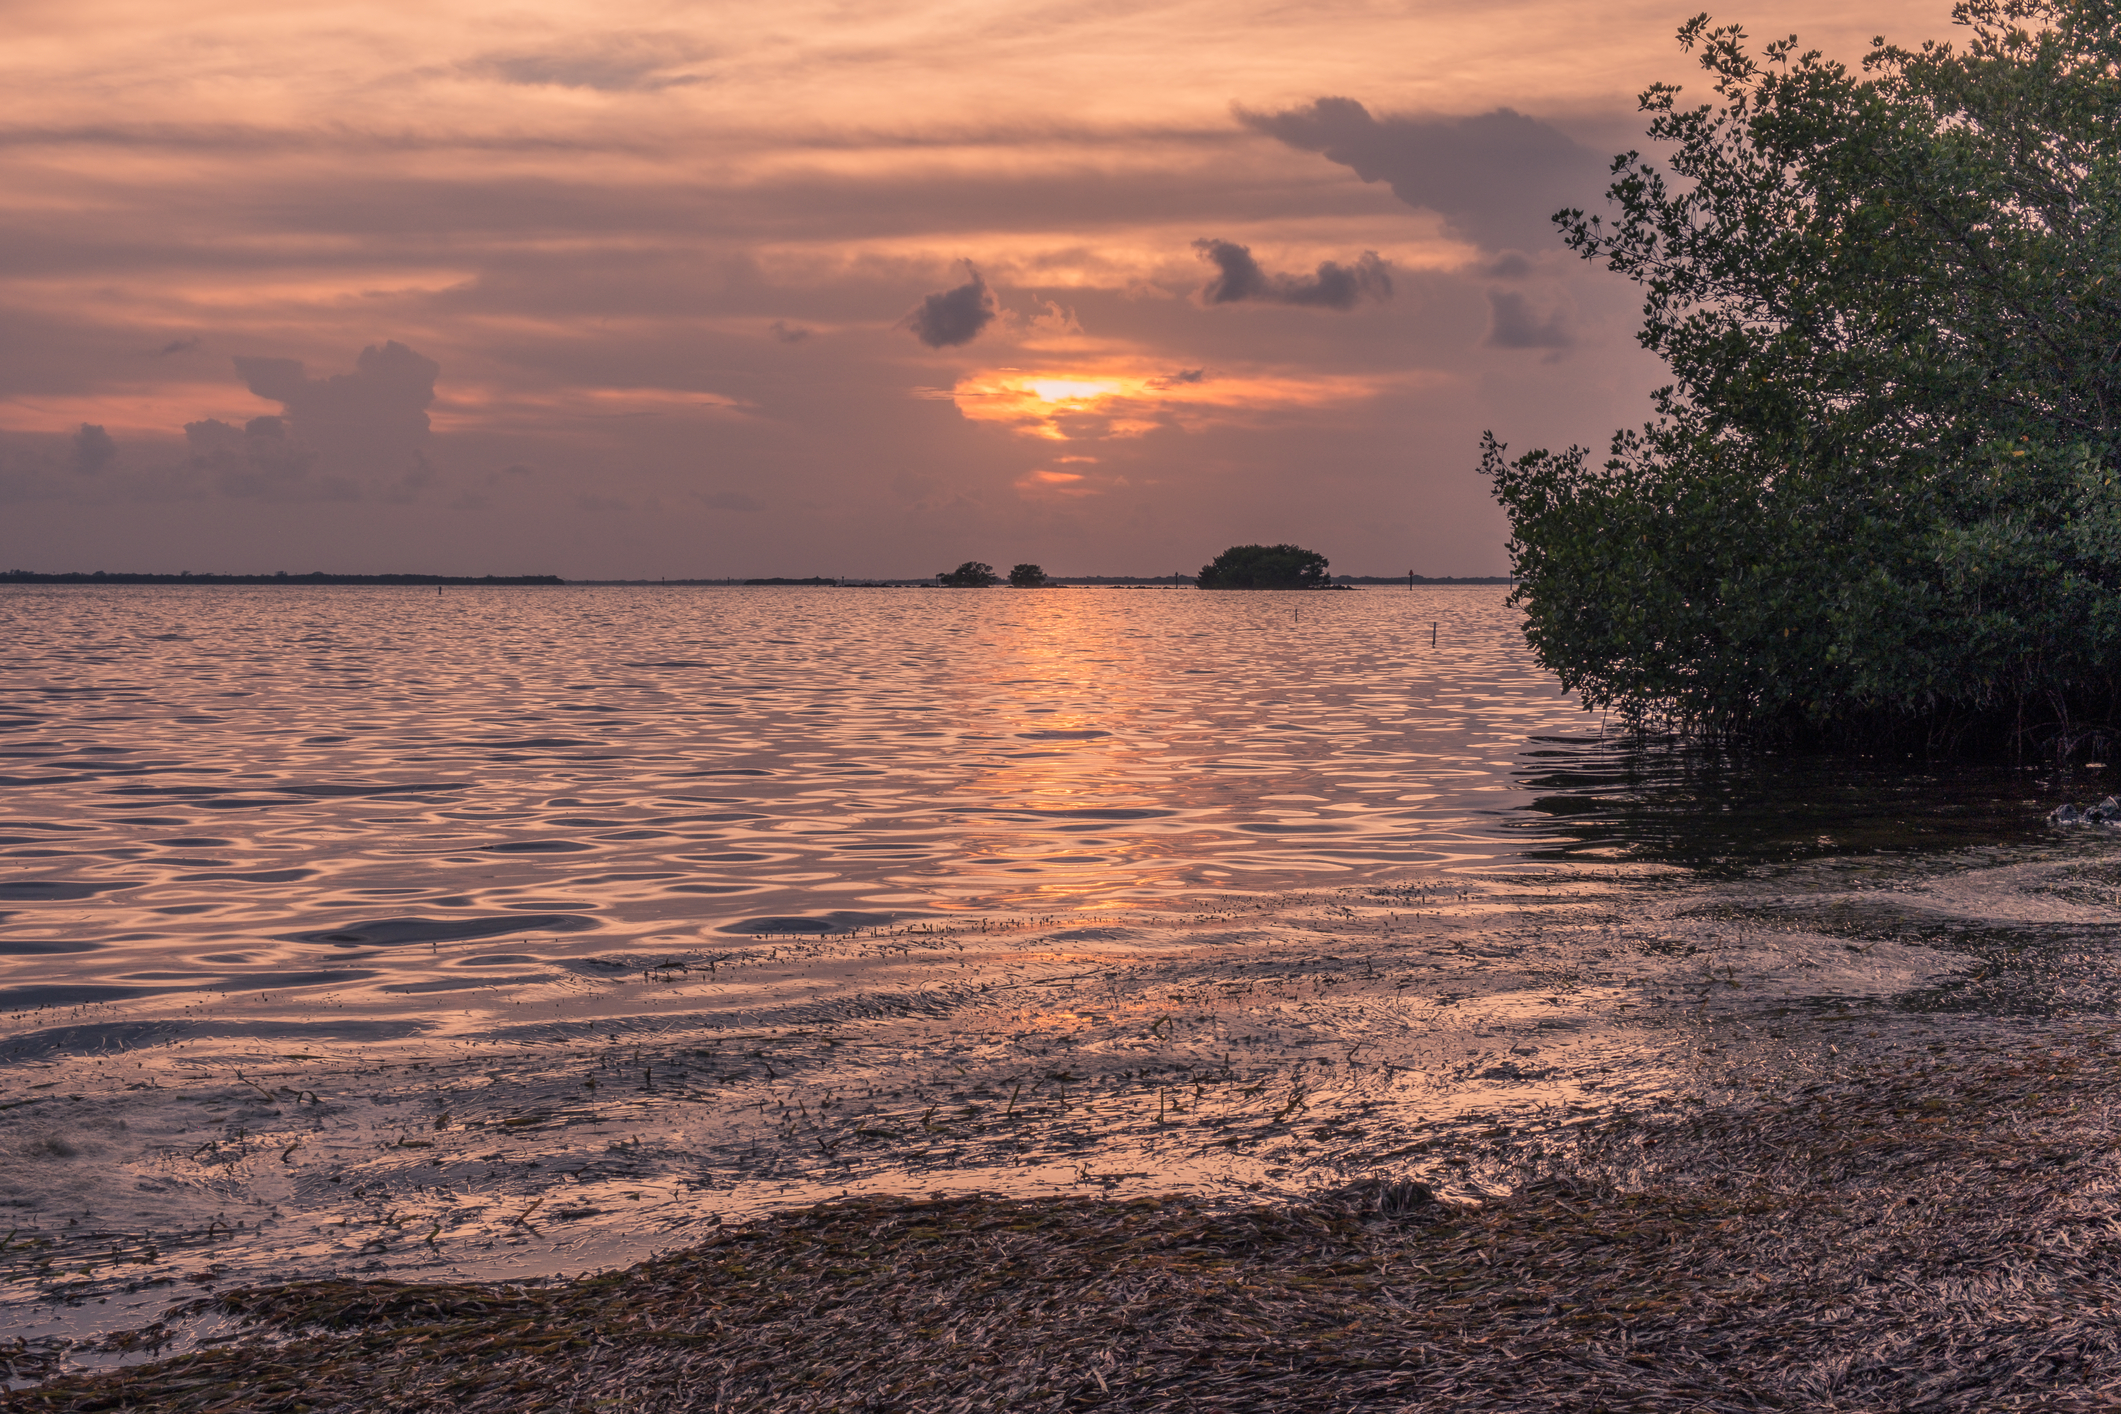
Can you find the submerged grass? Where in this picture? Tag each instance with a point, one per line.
(1897, 1236)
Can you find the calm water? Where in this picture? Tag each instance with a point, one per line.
(523, 931)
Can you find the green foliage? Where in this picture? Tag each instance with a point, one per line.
(1027, 577)
(1878, 494)
(969, 575)
(1265, 567)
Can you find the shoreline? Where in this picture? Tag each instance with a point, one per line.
(1878, 1233)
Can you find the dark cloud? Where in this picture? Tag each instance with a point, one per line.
(388, 391)
(339, 438)
(93, 450)
(953, 317)
(1181, 378)
(260, 461)
(1335, 286)
(1510, 265)
(417, 478)
(177, 346)
(372, 421)
(787, 333)
(1517, 326)
(1497, 178)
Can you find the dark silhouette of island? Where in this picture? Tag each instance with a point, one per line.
(282, 577)
(1265, 567)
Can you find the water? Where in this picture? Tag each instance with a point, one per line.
(519, 932)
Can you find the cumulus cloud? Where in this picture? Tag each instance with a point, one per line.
(1496, 178)
(954, 317)
(260, 461)
(370, 422)
(92, 451)
(1335, 286)
(1517, 325)
(387, 393)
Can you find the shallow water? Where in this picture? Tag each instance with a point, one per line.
(512, 932)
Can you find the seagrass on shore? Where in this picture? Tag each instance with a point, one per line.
(1897, 1237)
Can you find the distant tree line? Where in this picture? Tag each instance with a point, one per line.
(282, 577)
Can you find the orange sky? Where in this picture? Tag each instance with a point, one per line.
(655, 290)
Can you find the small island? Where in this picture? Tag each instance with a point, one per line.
(1266, 567)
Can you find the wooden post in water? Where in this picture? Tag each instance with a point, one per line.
(1432, 633)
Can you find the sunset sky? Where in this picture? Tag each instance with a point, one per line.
(636, 290)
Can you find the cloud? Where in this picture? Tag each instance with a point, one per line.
(369, 422)
(389, 388)
(953, 317)
(177, 346)
(1054, 321)
(787, 333)
(417, 478)
(93, 450)
(260, 462)
(1496, 178)
(622, 63)
(1335, 286)
(1516, 326)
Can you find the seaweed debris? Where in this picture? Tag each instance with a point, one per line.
(1897, 1236)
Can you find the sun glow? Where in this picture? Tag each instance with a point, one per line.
(1070, 390)
(1080, 405)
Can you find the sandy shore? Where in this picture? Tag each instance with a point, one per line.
(1929, 1227)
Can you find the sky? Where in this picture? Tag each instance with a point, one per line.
(642, 290)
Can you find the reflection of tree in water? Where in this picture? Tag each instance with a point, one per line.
(1722, 809)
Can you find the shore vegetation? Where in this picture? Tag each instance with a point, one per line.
(1877, 499)
(1896, 1234)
